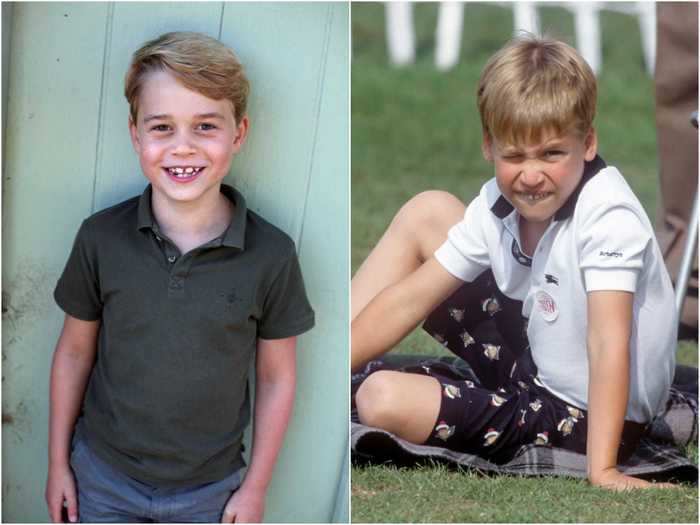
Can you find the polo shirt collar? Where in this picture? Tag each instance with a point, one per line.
(234, 235)
(501, 208)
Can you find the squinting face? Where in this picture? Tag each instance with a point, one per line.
(184, 140)
(538, 179)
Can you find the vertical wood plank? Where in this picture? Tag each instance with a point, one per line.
(286, 78)
(6, 32)
(54, 90)
(322, 425)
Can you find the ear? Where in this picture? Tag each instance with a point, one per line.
(134, 134)
(241, 133)
(486, 146)
(591, 145)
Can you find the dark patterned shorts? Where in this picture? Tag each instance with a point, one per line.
(503, 406)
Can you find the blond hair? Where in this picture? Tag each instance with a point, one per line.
(199, 62)
(535, 85)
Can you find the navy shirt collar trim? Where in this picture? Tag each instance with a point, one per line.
(234, 235)
(502, 208)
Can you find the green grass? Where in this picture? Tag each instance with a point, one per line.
(439, 494)
(415, 129)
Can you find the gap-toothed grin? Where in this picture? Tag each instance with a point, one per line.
(532, 197)
(184, 172)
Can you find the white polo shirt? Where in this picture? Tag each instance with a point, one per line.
(600, 239)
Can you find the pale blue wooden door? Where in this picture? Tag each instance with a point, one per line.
(67, 155)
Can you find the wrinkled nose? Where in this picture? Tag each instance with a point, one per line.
(531, 175)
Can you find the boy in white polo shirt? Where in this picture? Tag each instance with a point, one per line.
(550, 285)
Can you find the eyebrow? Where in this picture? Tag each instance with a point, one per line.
(164, 116)
(555, 143)
(552, 144)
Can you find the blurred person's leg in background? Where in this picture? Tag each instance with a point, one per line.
(676, 80)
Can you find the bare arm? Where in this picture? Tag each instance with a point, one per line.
(275, 381)
(72, 362)
(609, 329)
(398, 309)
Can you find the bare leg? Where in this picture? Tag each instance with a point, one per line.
(417, 230)
(405, 404)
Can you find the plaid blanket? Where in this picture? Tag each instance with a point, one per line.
(656, 458)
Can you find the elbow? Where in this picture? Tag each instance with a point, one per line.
(281, 380)
(75, 353)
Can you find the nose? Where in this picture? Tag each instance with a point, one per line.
(183, 145)
(531, 174)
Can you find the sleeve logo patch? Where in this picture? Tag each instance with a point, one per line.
(609, 254)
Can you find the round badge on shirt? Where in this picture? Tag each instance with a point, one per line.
(547, 306)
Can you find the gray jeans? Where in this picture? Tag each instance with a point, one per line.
(106, 495)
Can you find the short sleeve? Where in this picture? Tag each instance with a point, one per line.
(613, 242)
(77, 292)
(465, 253)
(286, 309)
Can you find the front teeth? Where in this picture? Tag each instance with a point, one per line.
(184, 172)
(534, 197)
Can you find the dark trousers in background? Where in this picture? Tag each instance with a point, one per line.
(676, 81)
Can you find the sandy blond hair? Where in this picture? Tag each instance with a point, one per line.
(534, 85)
(199, 62)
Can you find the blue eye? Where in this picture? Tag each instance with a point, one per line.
(206, 126)
(160, 128)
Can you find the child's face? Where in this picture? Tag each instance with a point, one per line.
(538, 179)
(184, 140)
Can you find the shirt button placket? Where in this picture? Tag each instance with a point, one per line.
(176, 283)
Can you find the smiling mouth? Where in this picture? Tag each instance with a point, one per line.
(184, 172)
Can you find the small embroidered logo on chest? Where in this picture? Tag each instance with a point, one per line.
(551, 279)
(604, 253)
(547, 306)
(230, 297)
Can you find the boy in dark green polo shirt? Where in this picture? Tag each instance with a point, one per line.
(168, 298)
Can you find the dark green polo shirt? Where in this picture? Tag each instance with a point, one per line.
(167, 401)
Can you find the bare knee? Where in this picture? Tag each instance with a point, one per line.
(375, 400)
(426, 218)
(402, 403)
(432, 207)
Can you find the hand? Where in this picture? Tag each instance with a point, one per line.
(60, 487)
(245, 506)
(613, 479)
